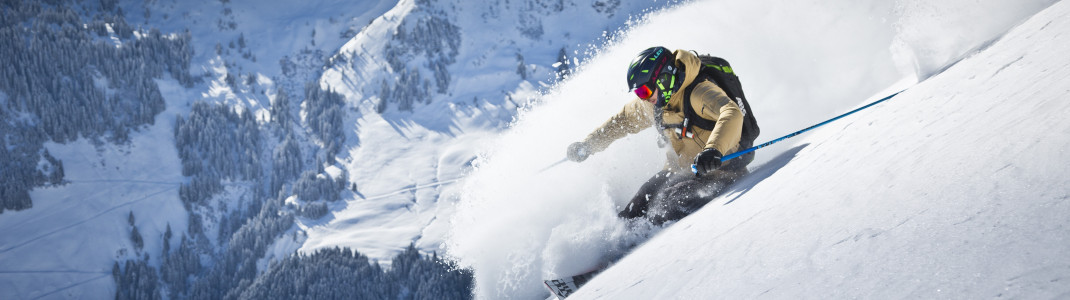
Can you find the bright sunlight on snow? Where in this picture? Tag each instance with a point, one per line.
(800, 63)
(443, 124)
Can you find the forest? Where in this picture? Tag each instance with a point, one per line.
(73, 73)
(65, 79)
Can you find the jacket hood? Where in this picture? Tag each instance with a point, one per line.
(691, 64)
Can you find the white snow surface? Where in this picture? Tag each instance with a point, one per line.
(64, 247)
(956, 188)
(406, 164)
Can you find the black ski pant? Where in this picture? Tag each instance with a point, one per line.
(670, 196)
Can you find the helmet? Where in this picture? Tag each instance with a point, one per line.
(654, 68)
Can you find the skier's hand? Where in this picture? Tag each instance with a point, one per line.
(578, 151)
(707, 161)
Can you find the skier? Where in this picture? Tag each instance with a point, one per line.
(665, 82)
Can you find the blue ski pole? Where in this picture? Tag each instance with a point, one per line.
(793, 134)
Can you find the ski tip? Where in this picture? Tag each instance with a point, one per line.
(562, 288)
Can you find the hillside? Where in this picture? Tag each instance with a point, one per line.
(217, 149)
(957, 188)
(202, 149)
(900, 200)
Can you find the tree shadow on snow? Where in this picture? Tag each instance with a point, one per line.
(404, 121)
(760, 173)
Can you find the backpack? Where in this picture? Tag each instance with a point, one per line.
(718, 70)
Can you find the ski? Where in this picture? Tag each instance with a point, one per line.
(564, 287)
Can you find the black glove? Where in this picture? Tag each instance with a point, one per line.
(707, 161)
(578, 151)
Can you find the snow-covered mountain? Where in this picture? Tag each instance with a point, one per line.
(374, 125)
(263, 131)
(425, 100)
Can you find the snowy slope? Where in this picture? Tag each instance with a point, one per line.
(957, 188)
(398, 159)
(518, 222)
(272, 30)
(405, 163)
(65, 246)
(506, 219)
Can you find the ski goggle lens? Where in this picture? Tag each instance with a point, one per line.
(644, 92)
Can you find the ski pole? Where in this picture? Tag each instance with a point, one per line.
(793, 134)
(553, 165)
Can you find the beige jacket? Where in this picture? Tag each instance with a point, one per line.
(707, 99)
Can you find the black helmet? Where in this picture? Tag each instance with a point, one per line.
(654, 68)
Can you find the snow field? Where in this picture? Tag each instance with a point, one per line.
(516, 221)
(954, 189)
(800, 63)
